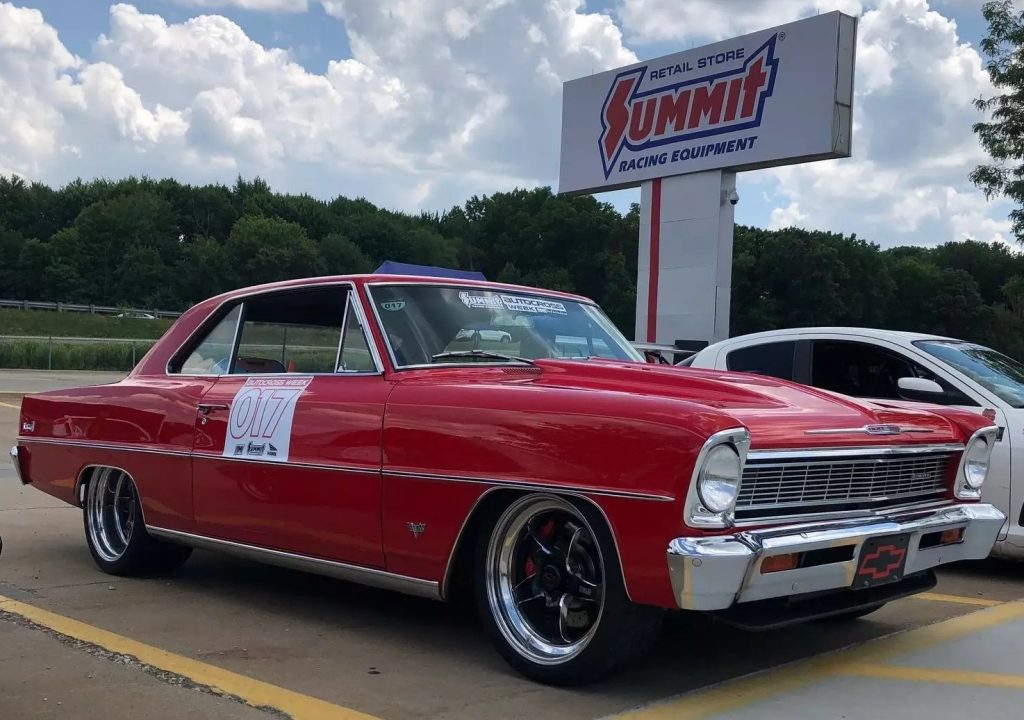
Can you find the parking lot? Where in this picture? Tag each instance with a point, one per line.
(224, 638)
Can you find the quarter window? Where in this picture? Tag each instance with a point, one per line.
(215, 348)
(775, 359)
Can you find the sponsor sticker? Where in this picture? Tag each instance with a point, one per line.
(488, 302)
(532, 305)
(260, 422)
(513, 303)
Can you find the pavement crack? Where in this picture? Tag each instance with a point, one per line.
(131, 661)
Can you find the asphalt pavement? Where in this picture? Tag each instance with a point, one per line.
(221, 635)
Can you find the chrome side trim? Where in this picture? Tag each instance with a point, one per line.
(304, 563)
(446, 578)
(101, 445)
(290, 463)
(871, 430)
(529, 485)
(812, 453)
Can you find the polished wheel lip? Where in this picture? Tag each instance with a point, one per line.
(111, 508)
(500, 586)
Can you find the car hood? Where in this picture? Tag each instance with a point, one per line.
(779, 414)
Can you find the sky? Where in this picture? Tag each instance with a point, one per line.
(419, 105)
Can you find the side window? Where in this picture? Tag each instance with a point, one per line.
(860, 370)
(868, 371)
(355, 353)
(291, 332)
(211, 355)
(775, 359)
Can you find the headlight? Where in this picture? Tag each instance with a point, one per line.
(976, 463)
(719, 479)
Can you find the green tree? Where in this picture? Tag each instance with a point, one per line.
(1002, 136)
(262, 249)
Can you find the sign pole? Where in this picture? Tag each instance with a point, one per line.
(684, 268)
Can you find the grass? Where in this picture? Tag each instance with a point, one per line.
(80, 325)
(43, 355)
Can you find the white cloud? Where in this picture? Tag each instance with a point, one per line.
(647, 20)
(439, 101)
(443, 99)
(283, 6)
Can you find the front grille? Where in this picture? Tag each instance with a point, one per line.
(809, 485)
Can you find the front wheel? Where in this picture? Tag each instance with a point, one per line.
(551, 595)
(115, 532)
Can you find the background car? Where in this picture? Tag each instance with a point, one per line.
(894, 366)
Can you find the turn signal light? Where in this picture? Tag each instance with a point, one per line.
(778, 563)
(951, 537)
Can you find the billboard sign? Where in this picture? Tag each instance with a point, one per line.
(773, 97)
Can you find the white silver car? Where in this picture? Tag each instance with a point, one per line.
(886, 365)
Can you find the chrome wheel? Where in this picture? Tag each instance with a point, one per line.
(111, 507)
(545, 579)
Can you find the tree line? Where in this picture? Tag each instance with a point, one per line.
(165, 244)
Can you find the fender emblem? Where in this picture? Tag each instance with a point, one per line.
(416, 528)
(883, 429)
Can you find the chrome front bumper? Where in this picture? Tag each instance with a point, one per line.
(714, 573)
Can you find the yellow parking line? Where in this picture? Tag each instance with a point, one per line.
(743, 692)
(251, 691)
(962, 599)
(15, 407)
(935, 675)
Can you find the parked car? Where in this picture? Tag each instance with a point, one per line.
(577, 496)
(895, 367)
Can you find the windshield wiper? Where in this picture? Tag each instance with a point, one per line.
(481, 354)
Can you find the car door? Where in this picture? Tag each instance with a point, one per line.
(871, 370)
(287, 451)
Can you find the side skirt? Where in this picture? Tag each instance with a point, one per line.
(342, 571)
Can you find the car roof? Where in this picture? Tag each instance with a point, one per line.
(877, 333)
(370, 279)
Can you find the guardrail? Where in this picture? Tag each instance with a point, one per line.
(93, 309)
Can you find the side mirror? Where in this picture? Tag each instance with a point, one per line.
(920, 389)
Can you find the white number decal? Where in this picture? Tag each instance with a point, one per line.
(260, 423)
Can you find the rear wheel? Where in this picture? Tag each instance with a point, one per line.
(114, 530)
(551, 595)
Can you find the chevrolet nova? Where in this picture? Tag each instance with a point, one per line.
(365, 428)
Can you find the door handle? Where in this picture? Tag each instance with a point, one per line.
(206, 408)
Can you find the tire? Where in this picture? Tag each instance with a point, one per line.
(115, 533)
(551, 596)
(852, 614)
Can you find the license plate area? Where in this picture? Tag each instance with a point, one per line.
(882, 560)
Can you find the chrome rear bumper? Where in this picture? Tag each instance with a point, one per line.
(714, 573)
(17, 465)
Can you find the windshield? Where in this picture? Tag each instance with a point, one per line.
(994, 371)
(433, 324)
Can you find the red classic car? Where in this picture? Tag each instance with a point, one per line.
(429, 435)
